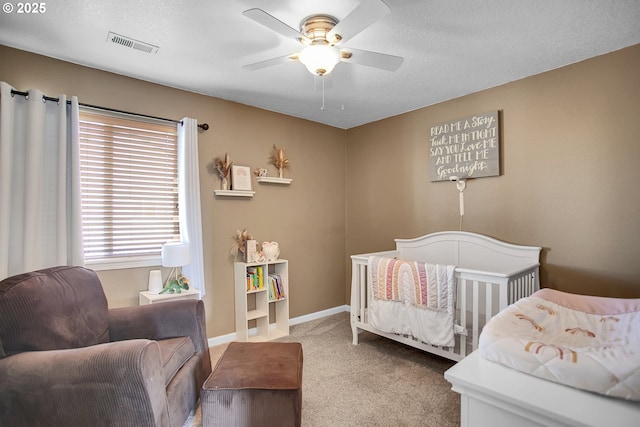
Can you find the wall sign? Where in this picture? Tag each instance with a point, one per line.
(466, 148)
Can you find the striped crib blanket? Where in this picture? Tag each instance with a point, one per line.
(424, 285)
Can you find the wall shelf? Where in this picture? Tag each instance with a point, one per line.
(273, 180)
(234, 193)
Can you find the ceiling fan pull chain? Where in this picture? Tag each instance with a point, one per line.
(323, 107)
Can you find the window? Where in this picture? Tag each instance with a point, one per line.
(129, 182)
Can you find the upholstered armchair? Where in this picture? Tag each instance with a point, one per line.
(68, 360)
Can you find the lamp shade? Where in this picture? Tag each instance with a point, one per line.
(320, 59)
(175, 254)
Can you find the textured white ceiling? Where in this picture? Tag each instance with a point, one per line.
(451, 48)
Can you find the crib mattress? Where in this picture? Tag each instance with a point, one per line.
(586, 342)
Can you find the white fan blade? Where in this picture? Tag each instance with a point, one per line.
(371, 59)
(270, 62)
(273, 23)
(360, 18)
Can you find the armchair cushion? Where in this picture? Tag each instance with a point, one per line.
(175, 352)
(30, 304)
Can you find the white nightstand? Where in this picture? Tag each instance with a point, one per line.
(147, 297)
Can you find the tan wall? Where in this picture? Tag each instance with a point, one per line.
(306, 218)
(570, 142)
(570, 181)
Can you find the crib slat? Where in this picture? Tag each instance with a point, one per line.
(505, 292)
(488, 309)
(520, 287)
(533, 280)
(463, 315)
(476, 314)
(462, 290)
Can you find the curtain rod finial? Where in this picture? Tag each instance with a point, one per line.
(204, 126)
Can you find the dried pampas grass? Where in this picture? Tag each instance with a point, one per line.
(278, 159)
(239, 242)
(223, 166)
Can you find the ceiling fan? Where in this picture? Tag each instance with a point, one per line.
(323, 37)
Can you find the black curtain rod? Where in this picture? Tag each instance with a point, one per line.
(202, 126)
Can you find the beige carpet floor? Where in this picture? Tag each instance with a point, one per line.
(376, 383)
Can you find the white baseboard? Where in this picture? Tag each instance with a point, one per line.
(319, 314)
(222, 339)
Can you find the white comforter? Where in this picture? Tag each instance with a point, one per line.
(591, 343)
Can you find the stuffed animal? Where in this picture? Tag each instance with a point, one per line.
(175, 286)
(271, 250)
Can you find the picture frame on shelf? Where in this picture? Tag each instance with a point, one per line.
(250, 251)
(240, 178)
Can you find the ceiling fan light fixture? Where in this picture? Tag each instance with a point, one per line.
(320, 59)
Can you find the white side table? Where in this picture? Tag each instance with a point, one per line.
(147, 297)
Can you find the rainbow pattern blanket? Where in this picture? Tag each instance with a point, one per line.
(429, 286)
(413, 298)
(590, 343)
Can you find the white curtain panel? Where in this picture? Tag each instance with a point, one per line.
(189, 201)
(40, 210)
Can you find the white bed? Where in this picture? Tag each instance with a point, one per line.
(489, 275)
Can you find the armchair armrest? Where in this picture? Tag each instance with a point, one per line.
(120, 383)
(166, 320)
(160, 321)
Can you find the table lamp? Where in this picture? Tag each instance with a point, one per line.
(175, 255)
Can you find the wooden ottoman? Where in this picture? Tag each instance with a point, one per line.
(254, 384)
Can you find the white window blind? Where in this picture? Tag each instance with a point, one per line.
(129, 180)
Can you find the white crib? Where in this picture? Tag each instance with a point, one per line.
(490, 275)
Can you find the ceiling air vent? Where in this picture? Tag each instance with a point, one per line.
(131, 43)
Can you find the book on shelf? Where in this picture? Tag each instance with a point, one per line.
(255, 279)
(276, 287)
